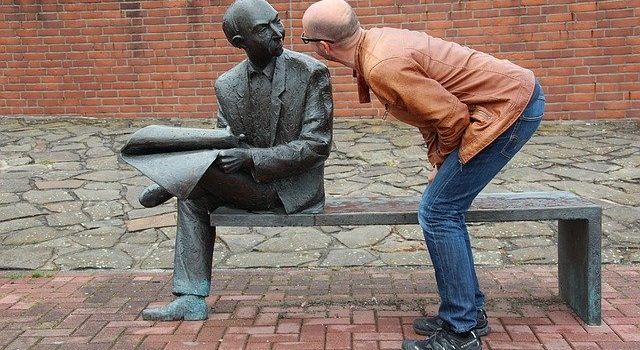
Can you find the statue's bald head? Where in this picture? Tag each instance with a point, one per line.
(330, 19)
(240, 16)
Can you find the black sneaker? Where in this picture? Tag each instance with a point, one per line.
(445, 339)
(430, 325)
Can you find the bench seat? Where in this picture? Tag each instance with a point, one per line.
(579, 230)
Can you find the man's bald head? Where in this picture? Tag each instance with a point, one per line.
(334, 20)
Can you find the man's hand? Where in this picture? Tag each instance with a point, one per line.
(432, 175)
(233, 159)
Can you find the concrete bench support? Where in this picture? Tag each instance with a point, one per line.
(579, 230)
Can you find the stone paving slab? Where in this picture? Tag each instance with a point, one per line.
(291, 309)
(65, 196)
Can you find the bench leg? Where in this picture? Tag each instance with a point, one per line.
(579, 267)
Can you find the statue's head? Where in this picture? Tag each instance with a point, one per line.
(254, 26)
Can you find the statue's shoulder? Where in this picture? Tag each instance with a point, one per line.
(230, 77)
(303, 61)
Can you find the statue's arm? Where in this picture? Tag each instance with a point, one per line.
(165, 139)
(311, 148)
(221, 121)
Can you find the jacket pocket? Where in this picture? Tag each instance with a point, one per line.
(479, 115)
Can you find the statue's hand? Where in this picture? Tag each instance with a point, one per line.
(240, 140)
(233, 159)
(233, 141)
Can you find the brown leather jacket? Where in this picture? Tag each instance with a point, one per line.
(456, 96)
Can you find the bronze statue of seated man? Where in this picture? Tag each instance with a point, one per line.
(280, 101)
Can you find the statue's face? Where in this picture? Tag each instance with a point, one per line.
(262, 31)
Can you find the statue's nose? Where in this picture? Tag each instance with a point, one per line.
(277, 30)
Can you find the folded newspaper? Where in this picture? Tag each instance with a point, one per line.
(176, 158)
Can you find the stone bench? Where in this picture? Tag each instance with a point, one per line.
(579, 226)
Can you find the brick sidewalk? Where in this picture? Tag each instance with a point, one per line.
(273, 309)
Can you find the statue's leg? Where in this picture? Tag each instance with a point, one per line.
(154, 195)
(192, 264)
(195, 238)
(194, 248)
(238, 190)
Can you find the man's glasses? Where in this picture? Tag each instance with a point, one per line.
(312, 40)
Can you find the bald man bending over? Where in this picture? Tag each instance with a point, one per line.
(474, 111)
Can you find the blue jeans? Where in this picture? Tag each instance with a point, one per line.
(442, 216)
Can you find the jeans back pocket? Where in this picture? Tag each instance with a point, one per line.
(535, 108)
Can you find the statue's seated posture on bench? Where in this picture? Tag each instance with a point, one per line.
(278, 104)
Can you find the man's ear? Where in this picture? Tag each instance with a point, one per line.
(326, 48)
(237, 41)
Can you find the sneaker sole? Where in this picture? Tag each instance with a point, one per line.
(480, 332)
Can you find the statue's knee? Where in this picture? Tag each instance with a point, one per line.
(193, 206)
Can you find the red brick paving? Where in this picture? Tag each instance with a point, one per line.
(269, 309)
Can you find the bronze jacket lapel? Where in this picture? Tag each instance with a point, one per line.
(277, 88)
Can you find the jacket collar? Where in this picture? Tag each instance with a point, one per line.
(364, 94)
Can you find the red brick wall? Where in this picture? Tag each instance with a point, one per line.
(128, 58)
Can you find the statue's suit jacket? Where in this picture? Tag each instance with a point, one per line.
(300, 127)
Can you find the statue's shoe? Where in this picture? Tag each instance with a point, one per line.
(154, 195)
(185, 307)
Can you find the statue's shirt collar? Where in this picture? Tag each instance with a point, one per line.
(267, 71)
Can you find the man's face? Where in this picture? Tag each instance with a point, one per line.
(263, 33)
(319, 45)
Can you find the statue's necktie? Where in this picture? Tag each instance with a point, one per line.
(260, 109)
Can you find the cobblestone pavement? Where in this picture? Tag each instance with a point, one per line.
(67, 202)
(291, 309)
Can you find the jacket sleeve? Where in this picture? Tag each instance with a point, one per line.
(433, 109)
(431, 140)
(221, 121)
(313, 144)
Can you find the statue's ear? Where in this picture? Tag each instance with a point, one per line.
(237, 41)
